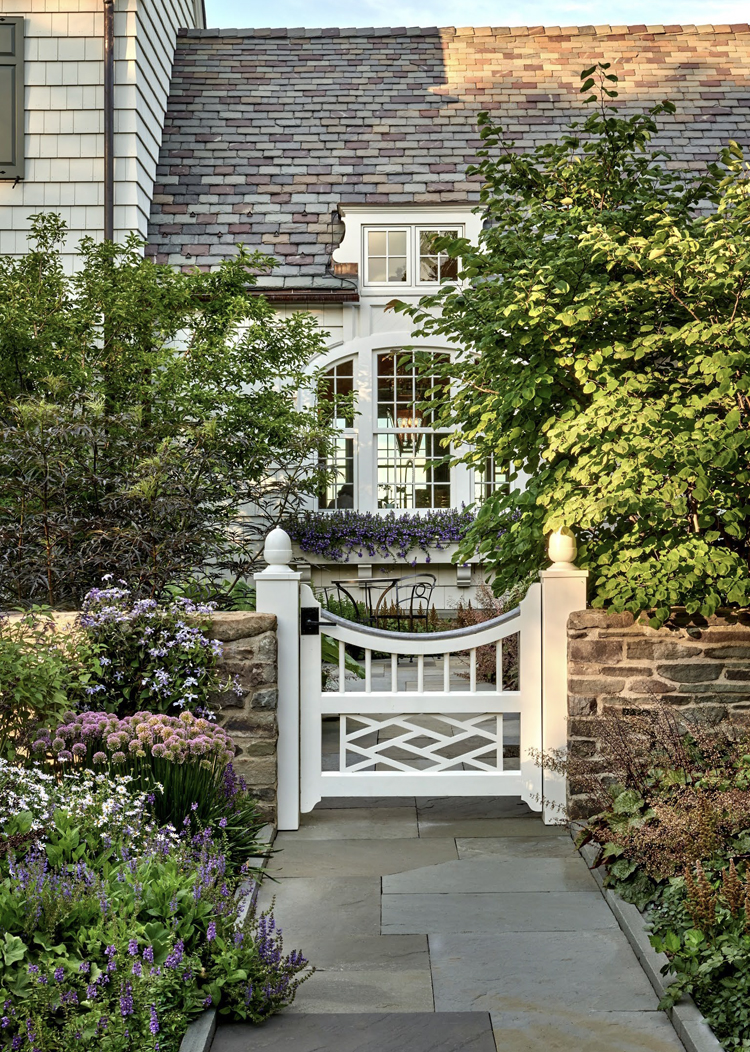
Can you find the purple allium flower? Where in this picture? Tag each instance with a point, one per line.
(100, 757)
(79, 749)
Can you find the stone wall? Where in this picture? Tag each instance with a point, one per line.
(250, 655)
(698, 665)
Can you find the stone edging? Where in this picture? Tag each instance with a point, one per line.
(687, 1019)
(199, 1036)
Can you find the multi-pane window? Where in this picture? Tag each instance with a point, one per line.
(337, 389)
(407, 255)
(412, 471)
(489, 476)
(434, 265)
(387, 256)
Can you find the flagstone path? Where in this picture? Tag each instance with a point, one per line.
(449, 926)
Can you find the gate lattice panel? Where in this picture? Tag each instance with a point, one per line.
(444, 736)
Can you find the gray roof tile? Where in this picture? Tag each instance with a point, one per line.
(268, 130)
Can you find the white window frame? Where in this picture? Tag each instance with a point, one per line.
(388, 228)
(435, 228)
(412, 230)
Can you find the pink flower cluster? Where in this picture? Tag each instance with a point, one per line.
(100, 737)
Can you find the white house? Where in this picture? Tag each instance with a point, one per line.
(340, 152)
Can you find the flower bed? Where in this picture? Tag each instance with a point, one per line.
(117, 930)
(125, 836)
(673, 834)
(338, 535)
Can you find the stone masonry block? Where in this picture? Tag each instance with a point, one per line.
(581, 705)
(252, 648)
(728, 652)
(589, 650)
(651, 686)
(691, 672)
(599, 619)
(250, 675)
(230, 625)
(595, 685)
(648, 649)
(265, 699)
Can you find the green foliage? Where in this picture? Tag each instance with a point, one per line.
(604, 319)
(140, 409)
(43, 670)
(703, 925)
(116, 932)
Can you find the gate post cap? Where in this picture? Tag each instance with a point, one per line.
(562, 549)
(277, 550)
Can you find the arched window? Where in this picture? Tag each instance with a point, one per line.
(338, 389)
(412, 470)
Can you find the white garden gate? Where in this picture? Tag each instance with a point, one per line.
(420, 721)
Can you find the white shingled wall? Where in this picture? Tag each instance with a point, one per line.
(64, 122)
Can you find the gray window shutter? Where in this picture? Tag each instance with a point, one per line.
(11, 98)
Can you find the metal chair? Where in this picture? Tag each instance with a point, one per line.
(409, 593)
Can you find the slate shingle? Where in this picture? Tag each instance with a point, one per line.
(268, 130)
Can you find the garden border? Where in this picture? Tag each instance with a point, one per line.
(199, 1035)
(687, 1019)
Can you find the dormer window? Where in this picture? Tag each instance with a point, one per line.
(407, 256)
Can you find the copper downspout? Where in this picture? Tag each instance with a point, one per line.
(109, 120)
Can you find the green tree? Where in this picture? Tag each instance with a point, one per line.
(143, 412)
(604, 320)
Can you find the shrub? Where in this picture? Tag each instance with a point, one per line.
(183, 762)
(118, 949)
(604, 317)
(151, 653)
(43, 671)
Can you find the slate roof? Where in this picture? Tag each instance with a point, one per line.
(269, 130)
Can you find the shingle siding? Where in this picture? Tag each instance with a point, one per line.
(268, 130)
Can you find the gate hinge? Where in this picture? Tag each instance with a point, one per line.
(310, 621)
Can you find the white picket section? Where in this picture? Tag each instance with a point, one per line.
(408, 728)
(439, 741)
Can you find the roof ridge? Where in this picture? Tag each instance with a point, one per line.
(467, 31)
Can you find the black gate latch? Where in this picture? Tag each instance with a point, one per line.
(310, 621)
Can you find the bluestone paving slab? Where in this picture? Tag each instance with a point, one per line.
(522, 970)
(569, 1030)
(516, 847)
(456, 809)
(355, 858)
(509, 912)
(370, 1032)
(308, 906)
(495, 875)
(338, 950)
(366, 990)
(476, 827)
(358, 823)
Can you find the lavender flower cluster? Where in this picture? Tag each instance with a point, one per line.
(338, 535)
(99, 738)
(160, 656)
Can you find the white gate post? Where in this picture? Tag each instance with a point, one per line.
(530, 682)
(563, 592)
(277, 592)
